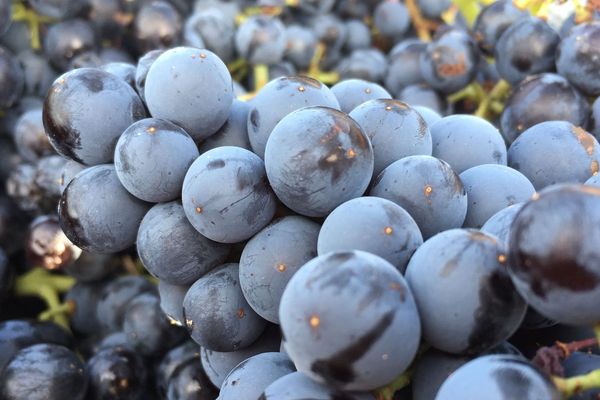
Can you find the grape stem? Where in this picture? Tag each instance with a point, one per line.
(496, 97)
(20, 13)
(314, 70)
(387, 392)
(473, 92)
(422, 25)
(40, 283)
(571, 386)
(261, 76)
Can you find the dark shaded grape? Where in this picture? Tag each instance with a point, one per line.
(173, 360)
(97, 213)
(47, 246)
(337, 332)
(142, 68)
(553, 259)
(428, 189)
(391, 18)
(261, 39)
(157, 25)
(450, 61)
(235, 130)
(216, 313)
(212, 28)
(499, 224)
(359, 35)
(190, 87)
(30, 137)
(492, 21)
(351, 93)
(271, 258)
(84, 134)
(301, 45)
(297, 386)
(404, 65)
(123, 70)
(534, 154)
(12, 80)
(368, 64)
(84, 297)
(226, 195)
(58, 9)
(189, 382)
(172, 250)
(37, 71)
(67, 39)
(90, 267)
(525, 48)
(577, 58)
(539, 98)
(44, 372)
(116, 373)
(171, 301)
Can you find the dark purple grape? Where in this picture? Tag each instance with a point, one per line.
(30, 137)
(553, 258)
(368, 64)
(47, 246)
(404, 65)
(492, 21)
(171, 301)
(44, 372)
(189, 382)
(391, 18)
(67, 39)
(359, 35)
(235, 130)
(525, 48)
(84, 133)
(423, 95)
(141, 71)
(449, 62)
(578, 58)
(301, 45)
(116, 373)
(157, 25)
(172, 250)
(175, 358)
(539, 98)
(84, 298)
(123, 70)
(12, 80)
(261, 39)
(298, 386)
(213, 29)
(37, 71)
(97, 213)
(313, 171)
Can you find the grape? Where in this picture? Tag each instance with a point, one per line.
(30, 138)
(84, 134)
(465, 141)
(330, 30)
(157, 25)
(97, 214)
(449, 62)
(431, 370)
(577, 58)
(498, 377)
(475, 306)
(234, 132)
(581, 364)
(252, 376)
(5, 16)
(492, 21)
(152, 157)
(172, 250)
(371, 224)
(21, 187)
(395, 130)
(366, 64)
(142, 68)
(226, 196)
(214, 30)
(430, 116)
(351, 93)
(67, 39)
(433, 8)
(218, 365)
(217, 315)
(84, 297)
(491, 188)
(190, 87)
(116, 339)
(535, 151)
(343, 314)
(47, 246)
(123, 70)
(271, 258)
(301, 45)
(189, 382)
(171, 301)
(116, 297)
(423, 95)
(173, 360)
(525, 48)
(499, 224)
(279, 98)
(58, 9)
(359, 35)
(541, 98)
(48, 171)
(428, 189)
(90, 267)
(261, 39)
(44, 372)
(116, 373)
(12, 79)
(391, 18)
(313, 171)
(404, 65)
(37, 71)
(297, 386)
(16, 335)
(553, 259)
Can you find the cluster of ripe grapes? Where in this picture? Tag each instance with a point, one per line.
(299, 199)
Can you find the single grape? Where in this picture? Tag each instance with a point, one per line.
(116, 373)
